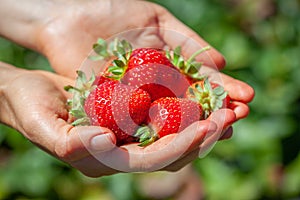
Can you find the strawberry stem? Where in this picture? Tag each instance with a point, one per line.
(193, 56)
(190, 67)
(146, 136)
(119, 49)
(80, 93)
(210, 99)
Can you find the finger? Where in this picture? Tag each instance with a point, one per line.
(59, 81)
(238, 90)
(180, 163)
(222, 118)
(175, 33)
(240, 109)
(133, 158)
(82, 141)
(168, 149)
(187, 140)
(195, 153)
(227, 134)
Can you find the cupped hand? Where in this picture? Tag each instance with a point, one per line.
(67, 34)
(171, 152)
(34, 103)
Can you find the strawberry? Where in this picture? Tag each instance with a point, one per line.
(124, 59)
(111, 104)
(211, 96)
(151, 70)
(168, 115)
(190, 67)
(158, 80)
(101, 79)
(143, 56)
(145, 68)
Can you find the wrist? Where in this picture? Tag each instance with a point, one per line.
(8, 74)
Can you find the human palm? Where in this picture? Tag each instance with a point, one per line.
(38, 110)
(35, 102)
(67, 38)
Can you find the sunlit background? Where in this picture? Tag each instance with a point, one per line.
(260, 40)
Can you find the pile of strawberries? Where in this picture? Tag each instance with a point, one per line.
(144, 93)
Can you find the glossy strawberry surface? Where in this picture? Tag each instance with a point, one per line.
(172, 115)
(119, 107)
(152, 71)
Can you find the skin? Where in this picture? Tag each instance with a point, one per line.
(56, 29)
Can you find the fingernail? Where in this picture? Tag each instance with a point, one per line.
(227, 133)
(102, 142)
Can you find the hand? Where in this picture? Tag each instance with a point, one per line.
(37, 108)
(64, 32)
(174, 151)
(239, 92)
(67, 38)
(67, 35)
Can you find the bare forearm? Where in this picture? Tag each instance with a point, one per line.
(20, 20)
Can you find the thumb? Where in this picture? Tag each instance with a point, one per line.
(82, 141)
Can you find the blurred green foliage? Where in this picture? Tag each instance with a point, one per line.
(260, 40)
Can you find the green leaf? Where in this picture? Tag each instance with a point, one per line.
(101, 42)
(80, 92)
(119, 63)
(95, 58)
(78, 113)
(218, 90)
(114, 68)
(81, 121)
(199, 88)
(121, 50)
(68, 88)
(177, 51)
(127, 46)
(191, 91)
(100, 48)
(117, 72)
(207, 85)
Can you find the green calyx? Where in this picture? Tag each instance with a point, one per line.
(122, 49)
(210, 99)
(119, 49)
(189, 67)
(80, 93)
(146, 136)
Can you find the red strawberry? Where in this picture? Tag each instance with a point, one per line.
(113, 105)
(151, 70)
(158, 80)
(167, 116)
(143, 56)
(101, 79)
(118, 107)
(145, 68)
(211, 96)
